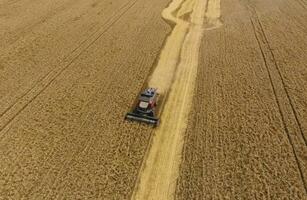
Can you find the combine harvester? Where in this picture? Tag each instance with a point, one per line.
(145, 108)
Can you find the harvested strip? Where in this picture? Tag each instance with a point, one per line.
(158, 179)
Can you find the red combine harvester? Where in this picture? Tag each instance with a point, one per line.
(145, 109)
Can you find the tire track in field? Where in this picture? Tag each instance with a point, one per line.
(96, 28)
(302, 3)
(86, 141)
(6, 129)
(11, 112)
(290, 121)
(20, 32)
(9, 2)
(176, 73)
(259, 29)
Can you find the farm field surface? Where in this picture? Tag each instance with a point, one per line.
(233, 74)
(68, 74)
(246, 137)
